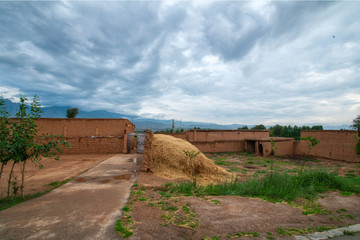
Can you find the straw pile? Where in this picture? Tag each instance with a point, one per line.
(170, 161)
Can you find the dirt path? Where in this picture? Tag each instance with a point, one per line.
(85, 208)
(38, 180)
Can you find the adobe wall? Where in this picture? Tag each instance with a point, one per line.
(147, 162)
(220, 135)
(182, 135)
(97, 145)
(285, 146)
(87, 135)
(334, 144)
(80, 127)
(220, 146)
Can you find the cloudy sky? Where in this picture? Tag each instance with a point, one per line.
(246, 62)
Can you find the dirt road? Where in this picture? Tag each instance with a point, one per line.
(85, 208)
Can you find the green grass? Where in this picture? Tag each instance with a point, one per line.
(126, 233)
(309, 159)
(244, 234)
(278, 186)
(346, 232)
(8, 202)
(224, 163)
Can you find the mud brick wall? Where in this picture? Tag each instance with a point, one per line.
(88, 135)
(94, 145)
(220, 146)
(80, 127)
(334, 144)
(220, 140)
(224, 135)
(284, 147)
(147, 155)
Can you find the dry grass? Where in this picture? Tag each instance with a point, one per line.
(171, 162)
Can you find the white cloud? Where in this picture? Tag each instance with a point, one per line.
(225, 62)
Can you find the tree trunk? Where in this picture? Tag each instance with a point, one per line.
(1, 170)
(22, 179)
(9, 181)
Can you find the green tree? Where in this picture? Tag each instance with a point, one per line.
(356, 124)
(317, 127)
(4, 136)
(72, 112)
(275, 131)
(243, 127)
(23, 143)
(260, 127)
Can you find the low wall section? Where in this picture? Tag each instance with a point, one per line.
(334, 144)
(87, 135)
(282, 146)
(220, 140)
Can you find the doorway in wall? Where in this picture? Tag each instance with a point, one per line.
(250, 146)
(261, 149)
(140, 141)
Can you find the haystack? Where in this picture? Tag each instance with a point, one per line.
(170, 161)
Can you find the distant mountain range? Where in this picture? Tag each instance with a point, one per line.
(140, 123)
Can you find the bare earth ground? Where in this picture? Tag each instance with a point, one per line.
(155, 215)
(67, 167)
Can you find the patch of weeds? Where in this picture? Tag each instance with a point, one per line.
(348, 216)
(216, 202)
(260, 171)
(224, 163)
(166, 206)
(246, 154)
(335, 218)
(309, 160)
(310, 207)
(269, 236)
(341, 210)
(135, 185)
(234, 169)
(277, 186)
(123, 231)
(323, 228)
(182, 217)
(244, 234)
(151, 204)
(346, 194)
(165, 194)
(57, 184)
(143, 199)
(350, 174)
(347, 232)
(210, 238)
(126, 209)
(294, 231)
(291, 171)
(139, 192)
(282, 231)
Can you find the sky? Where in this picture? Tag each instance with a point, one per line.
(244, 62)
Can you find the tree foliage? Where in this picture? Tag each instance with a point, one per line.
(291, 131)
(20, 141)
(243, 127)
(259, 127)
(356, 124)
(72, 112)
